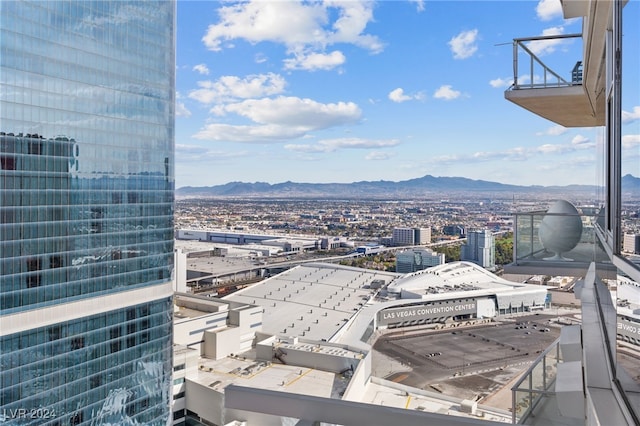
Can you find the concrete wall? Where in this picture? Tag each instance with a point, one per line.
(219, 344)
(209, 405)
(264, 348)
(318, 360)
(359, 380)
(486, 308)
(206, 402)
(180, 271)
(306, 356)
(190, 331)
(189, 358)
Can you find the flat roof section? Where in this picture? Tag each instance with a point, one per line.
(246, 371)
(313, 301)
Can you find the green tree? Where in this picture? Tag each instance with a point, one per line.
(451, 252)
(504, 250)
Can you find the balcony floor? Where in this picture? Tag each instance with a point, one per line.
(581, 256)
(547, 413)
(568, 106)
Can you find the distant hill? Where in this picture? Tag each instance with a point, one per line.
(413, 188)
(630, 184)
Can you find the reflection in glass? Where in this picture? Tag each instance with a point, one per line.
(86, 205)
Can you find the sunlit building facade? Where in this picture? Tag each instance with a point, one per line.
(86, 207)
(410, 236)
(480, 248)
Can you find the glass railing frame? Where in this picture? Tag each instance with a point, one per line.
(528, 249)
(534, 396)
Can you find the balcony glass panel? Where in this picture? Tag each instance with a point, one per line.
(561, 243)
(625, 292)
(536, 384)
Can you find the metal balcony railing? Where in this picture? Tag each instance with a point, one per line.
(550, 78)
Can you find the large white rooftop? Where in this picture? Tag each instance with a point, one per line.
(449, 277)
(313, 300)
(332, 302)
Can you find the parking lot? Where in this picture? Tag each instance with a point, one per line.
(472, 360)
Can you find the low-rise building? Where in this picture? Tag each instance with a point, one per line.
(417, 259)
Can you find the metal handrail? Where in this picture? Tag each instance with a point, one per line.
(548, 72)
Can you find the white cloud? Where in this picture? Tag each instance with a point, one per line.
(181, 110)
(248, 134)
(232, 87)
(501, 82)
(353, 19)
(628, 117)
(630, 141)
(279, 119)
(464, 44)
(331, 145)
(202, 69)
(447, 93)
(190, 149)
(419, 4)
(398, 95)
(315, 61)
(304, 28)
(551, 148)
(581, 141)
(549, 9)
(378, 156)
(293, 111)
(196, 153)
(553, 131)
(578, 144)
(545, 47)
(282, 22)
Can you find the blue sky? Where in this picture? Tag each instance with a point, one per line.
(344, 91)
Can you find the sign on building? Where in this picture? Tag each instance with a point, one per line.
(430, 311)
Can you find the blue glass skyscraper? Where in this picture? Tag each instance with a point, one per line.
(86, 211)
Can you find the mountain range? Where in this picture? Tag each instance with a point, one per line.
(413, 188)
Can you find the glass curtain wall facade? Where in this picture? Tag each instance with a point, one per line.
(86, 211)
(620, 203)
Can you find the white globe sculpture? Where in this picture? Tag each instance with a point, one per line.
(560, 229)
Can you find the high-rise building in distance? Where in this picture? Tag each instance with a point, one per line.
(86, 207)
(631, 243)
(480, 248)
(410, 236)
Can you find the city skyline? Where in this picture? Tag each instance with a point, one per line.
(389, 90)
